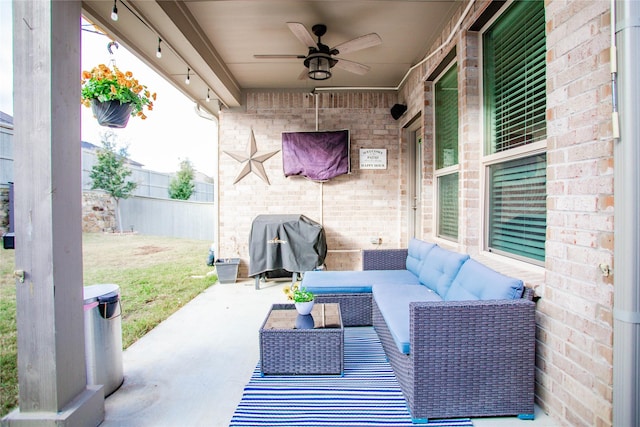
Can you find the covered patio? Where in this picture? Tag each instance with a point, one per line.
(576, 149)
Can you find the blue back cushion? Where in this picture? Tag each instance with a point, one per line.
(439, 269)
(476, 281)
(331, 282)
(417, 252)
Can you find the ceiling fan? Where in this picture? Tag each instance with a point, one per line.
(321, 58)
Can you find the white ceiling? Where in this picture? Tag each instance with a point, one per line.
(217, 40)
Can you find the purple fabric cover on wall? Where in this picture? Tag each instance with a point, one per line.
(319, 156)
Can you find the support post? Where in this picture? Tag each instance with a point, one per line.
(626, 312)
(51, 355)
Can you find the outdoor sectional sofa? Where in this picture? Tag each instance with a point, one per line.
(459, 336)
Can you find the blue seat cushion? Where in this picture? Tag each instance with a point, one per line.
(332, 282)
(417, 252)
(393, 302)
(440, 268)
(476, 281)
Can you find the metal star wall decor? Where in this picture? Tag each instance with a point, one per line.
(252, 160)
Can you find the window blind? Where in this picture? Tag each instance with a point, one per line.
(518, 207)
(446, 118)
(448, 206)
(514, 66)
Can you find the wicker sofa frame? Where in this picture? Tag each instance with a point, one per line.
(467, 358)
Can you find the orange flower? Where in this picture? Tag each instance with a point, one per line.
(104, 83)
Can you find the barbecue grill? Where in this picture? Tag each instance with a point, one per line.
(285, 245)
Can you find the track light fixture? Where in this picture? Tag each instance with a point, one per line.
(208, 96)
(159, 51)
(188, 80)
(114, 11)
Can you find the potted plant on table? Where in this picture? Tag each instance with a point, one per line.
(302, 298)
(114, 96)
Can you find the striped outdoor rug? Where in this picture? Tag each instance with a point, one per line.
(367, 395)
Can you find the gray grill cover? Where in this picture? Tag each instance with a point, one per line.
(293, 243)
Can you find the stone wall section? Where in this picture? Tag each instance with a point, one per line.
(98, 212)
(4, 210)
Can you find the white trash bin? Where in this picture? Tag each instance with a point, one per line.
(103, 336)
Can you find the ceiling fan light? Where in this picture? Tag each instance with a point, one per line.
(319, 67)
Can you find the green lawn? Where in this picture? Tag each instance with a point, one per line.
(156, 275)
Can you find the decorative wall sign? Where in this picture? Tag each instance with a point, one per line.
(252, 160)
(373, 158)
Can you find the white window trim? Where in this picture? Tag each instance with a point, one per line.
(487, 160)
(437, 173)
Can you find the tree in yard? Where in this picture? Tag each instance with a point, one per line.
(181, 186)
(110, 172)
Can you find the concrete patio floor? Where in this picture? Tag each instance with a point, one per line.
(192, 368)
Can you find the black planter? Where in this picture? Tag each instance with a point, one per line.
(111, 113)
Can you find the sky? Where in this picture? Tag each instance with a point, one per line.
(172, 132)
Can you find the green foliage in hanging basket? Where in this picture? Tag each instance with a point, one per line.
(105, 84)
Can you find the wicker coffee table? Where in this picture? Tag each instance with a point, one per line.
(291, 344)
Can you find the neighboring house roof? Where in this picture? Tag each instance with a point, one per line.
(6, 119)
(93, 147)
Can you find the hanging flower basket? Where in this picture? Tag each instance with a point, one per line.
(108, 90)
(111, 114)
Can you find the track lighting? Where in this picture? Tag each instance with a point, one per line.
(208, 97)
(188, 80)
(159, 51)
(114, 11)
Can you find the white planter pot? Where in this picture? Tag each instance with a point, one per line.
(304, 308)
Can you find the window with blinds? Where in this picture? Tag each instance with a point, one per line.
(446, 118)
(514, 81)
(518, 207)
(446, 153)
(448, 206)
(514, 66)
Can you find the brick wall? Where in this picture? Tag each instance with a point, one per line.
(352, 208)
(574, 312)
(574, 316)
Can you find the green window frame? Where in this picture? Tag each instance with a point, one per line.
(446, 153)
(514, 90)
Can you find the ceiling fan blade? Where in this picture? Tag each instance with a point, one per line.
(302, 34)
(362, 42)
(284, 56)
(352, 67)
